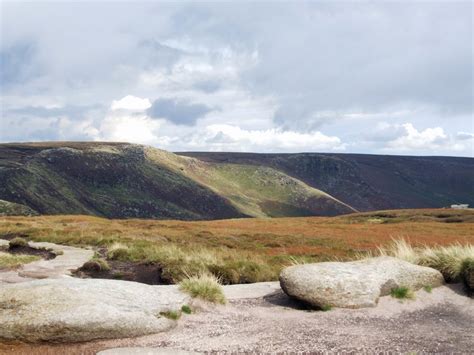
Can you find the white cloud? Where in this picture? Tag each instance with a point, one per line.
(432, 140)
(131, 103)
(233, 138)
(414, 139)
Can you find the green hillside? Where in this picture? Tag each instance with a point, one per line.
(120, 180)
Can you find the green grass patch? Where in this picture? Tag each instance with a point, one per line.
(428, 288)
(174, 315)
(205, 287)
(402, 293)
(10, 261)
(186, 309)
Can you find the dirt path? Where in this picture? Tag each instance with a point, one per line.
(68, 259)
(438, 322)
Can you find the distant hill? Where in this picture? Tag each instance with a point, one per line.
(121, 180)
(370, 182)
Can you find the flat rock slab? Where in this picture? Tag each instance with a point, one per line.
(68, 259)
(255, 290)
(354, 284)
(144, 351)
(73, 310)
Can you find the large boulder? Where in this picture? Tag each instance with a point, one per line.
(70, 310)
(354, 284)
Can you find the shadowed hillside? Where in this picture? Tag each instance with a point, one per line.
(370, 182)
(120, 180)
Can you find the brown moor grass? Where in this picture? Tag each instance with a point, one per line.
(248, 250)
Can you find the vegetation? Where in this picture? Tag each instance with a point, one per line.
(204, 286)
(186, 309)
(449, 260)
(242, 250)
(467, 272)
(174, 315)
(18, 242)
(96, 264)
(10, 261)
(402, 293)
(428, 288)
(15, 209)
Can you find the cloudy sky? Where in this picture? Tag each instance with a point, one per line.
(355, 77)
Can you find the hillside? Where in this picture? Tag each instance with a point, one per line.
(370, 182)
(120, 180)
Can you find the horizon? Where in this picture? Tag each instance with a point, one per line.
(239, 152)
(271, 78)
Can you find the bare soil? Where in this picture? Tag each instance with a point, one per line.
(147, 273)
(26, 250)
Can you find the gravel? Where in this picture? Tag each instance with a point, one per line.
(438, 322)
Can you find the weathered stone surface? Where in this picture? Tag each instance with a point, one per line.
(144, 351)
(354, 284)
(254, 290)
(68, 259)
(69, 309)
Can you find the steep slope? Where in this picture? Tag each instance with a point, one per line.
(122, 180)
(370, 182)
(112, 180)
(259, 191)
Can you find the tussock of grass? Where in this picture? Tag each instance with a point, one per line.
(8, 261)
(467, 271)
(96, 264)
(178, 262)
(447, 259)
(174, 315)
(205, 286)
(118, 251)
(18, 242)
(402, 293)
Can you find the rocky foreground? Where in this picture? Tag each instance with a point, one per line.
(438, 322)
(61, 314)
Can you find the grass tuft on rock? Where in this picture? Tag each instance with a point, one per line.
(402, 293)
(447, 259)
(17, 243)
(10, 261)
(174, 315)
(186, 309)
(205, 287)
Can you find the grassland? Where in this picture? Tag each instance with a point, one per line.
(246, 250)
(11, 261)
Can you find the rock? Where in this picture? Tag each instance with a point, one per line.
(68, 259)
(72, 310)
(254, 290)
(354, 284)
(144, 351)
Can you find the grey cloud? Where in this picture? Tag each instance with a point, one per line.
(464, 136)
(177, 111)
(313, 57)
(208, 86)
(16, 64)
(71, 111)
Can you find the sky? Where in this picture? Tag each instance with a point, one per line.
(378, 77)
